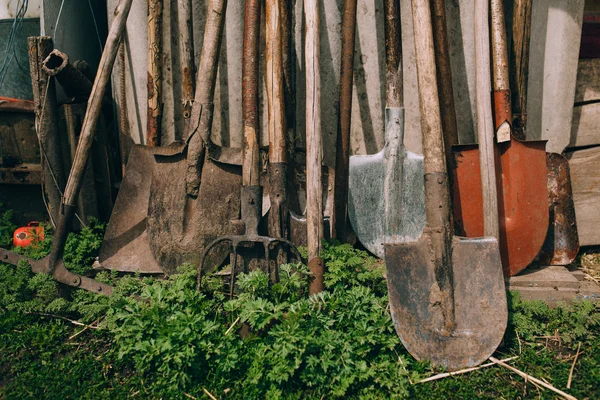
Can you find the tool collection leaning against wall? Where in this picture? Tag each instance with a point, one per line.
(447, 223)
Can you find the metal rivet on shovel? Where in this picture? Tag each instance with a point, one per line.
(447, 295)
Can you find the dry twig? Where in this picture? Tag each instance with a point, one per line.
(573, 367)
(63, 318)
(232, 325)
(189, 396)
(534, 380)
(209, 394)
(86, 328)
(462, 371)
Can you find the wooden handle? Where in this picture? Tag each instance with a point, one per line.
(502, 103)
(485, 128)
(393, 55)
(186, 55)
(276, 108)
(95, 102)
(342, 154)
(444, 78)
(519, 64)
(251, 162)
(155, 53)
(314, 150)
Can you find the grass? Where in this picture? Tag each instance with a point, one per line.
(180, 343)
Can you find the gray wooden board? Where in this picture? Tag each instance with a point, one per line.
(585, 127)
(585, 180)
(553, 284)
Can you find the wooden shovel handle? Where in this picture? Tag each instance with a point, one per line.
(95, 102)
(342, 154)
(519, 64)
(502, 103)
(393, 55)
(155, 54)
(186, 55)
(485, 126)
(251, 163)
(275, 83)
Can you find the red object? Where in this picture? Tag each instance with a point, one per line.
(27, 235)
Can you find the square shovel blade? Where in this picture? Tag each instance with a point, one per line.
(416, 301)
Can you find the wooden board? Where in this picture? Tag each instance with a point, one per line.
(585, 126)
(585, 179)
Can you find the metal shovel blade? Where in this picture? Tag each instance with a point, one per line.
(180, 226)
(522, 203)
(126, 246)
(479, 301)
(562, 241)
(386, 200)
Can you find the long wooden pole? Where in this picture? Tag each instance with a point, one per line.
(186, 56)
(485, 124)
(314, 147)
(155, 17)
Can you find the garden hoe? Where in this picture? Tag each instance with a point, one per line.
(522, 174)
(163, 217)
(386, 201)
(562, 241)
(447, 295)
(53, 264)
(251, 190)
(314, 148)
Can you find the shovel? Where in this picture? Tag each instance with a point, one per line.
(161, 218)
(250, 190)
(562, 241)
(522, 188)
(385, 195)
(447, 295)
(53, 263)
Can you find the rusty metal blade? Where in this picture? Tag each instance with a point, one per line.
(386, 199)
(479, 301)
(126, 247)
(562, 241)
(180, 226)
(523, 199)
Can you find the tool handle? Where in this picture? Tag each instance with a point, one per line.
(444, 78)
(200, 124)
(251, 162)
(519, 64)
(186, 56)
(485, 128)
(314, 146)
(274, 79)
(95, 102)
(342, 156)
(394, 96)
(502, 103)
(155, 55)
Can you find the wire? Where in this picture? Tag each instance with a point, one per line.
(96, 26)
(62, 3)
(10, 52)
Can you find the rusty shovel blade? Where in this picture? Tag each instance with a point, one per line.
(562, 241)
(416, 301)
(522, 203)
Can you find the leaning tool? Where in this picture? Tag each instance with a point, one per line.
(522, 174)
(314, 148)
(53, 264)
(562, 241)
(447, 295)
(386, 202)
(250, 190)
(163, 217)
(342, 154)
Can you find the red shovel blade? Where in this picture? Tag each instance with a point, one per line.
(523, 199)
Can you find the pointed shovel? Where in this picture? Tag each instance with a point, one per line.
(522, 186)
(385, 195)
(447, 295)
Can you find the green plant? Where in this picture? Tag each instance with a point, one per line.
(7, 227)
